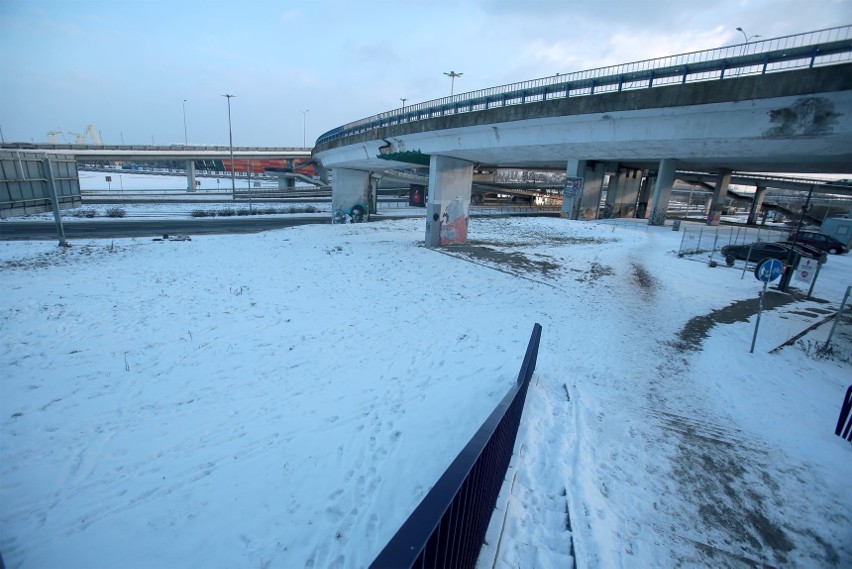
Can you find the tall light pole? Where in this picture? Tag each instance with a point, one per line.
(747, 39)
(304, 126)
(403, 103)
(452, 75)
(185, 138)
(231, 143)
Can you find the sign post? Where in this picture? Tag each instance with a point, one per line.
(766, 271)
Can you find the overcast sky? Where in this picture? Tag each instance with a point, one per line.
(127, 67)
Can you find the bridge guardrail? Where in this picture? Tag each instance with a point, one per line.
(448, 528)
(822, 47)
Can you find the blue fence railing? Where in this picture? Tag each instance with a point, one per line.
(448, 528)
(823, 47)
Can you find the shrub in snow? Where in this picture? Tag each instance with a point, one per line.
(116, 212)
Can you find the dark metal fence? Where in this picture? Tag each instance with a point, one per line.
(844, 421)
(448, 527)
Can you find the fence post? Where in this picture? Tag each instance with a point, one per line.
(837, 316)
(54, 201)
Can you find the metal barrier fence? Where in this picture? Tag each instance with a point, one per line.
(447, 529)
(710, 239)
(844, 421)
(823, 47)
(841, 329)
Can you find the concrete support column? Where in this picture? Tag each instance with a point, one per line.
(719, 194)
(590, 203)
(190, 175)
(287, 183)
(614, 191)
(662, 191)
(623, 199)
(374, 194)
(646, 187)
(450, 182)
(756, 204)
(350, 191)
(574, 190)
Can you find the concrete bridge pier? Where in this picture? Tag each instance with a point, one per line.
(720, 192)
(592, 189)
(450, 183)
(662, 191)
(190, 176)
(623, 192)
(585, 204)
(288, 183)
(645, 186)
(350, 191)
(756, 204)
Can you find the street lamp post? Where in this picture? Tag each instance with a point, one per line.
(403, 103)
(748, 38)
(231, 144)
(452, 75)
(304, 127)
(185, 138)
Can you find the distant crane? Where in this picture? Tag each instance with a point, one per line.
(93, 134)
(81, 137)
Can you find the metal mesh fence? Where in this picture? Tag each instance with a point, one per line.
(708, 240)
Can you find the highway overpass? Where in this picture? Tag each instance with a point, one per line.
(779, 105)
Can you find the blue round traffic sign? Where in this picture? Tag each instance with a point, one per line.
(768, 270)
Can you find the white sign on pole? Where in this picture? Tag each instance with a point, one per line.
(806, 269)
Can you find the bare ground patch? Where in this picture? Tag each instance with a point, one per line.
(516, 262)
(692, 335)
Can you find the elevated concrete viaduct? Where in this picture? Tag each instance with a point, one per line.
(788, 121)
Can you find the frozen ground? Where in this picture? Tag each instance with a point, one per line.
(285, 399)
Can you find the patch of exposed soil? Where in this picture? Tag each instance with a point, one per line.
(596, 272)
(516, 261)
(691, 336)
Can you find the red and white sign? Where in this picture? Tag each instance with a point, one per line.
(806, 269)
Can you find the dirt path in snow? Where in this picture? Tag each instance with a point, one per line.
(725, 499)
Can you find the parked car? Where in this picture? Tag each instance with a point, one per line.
(821, 241)
(807, 250)
(756, 252)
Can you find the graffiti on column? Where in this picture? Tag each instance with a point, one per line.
(454, 226)
(355, 214)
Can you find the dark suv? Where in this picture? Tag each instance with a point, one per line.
(821, 241)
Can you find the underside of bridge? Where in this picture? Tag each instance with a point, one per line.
(793, 122)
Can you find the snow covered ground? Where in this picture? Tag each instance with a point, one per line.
(285, 399)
